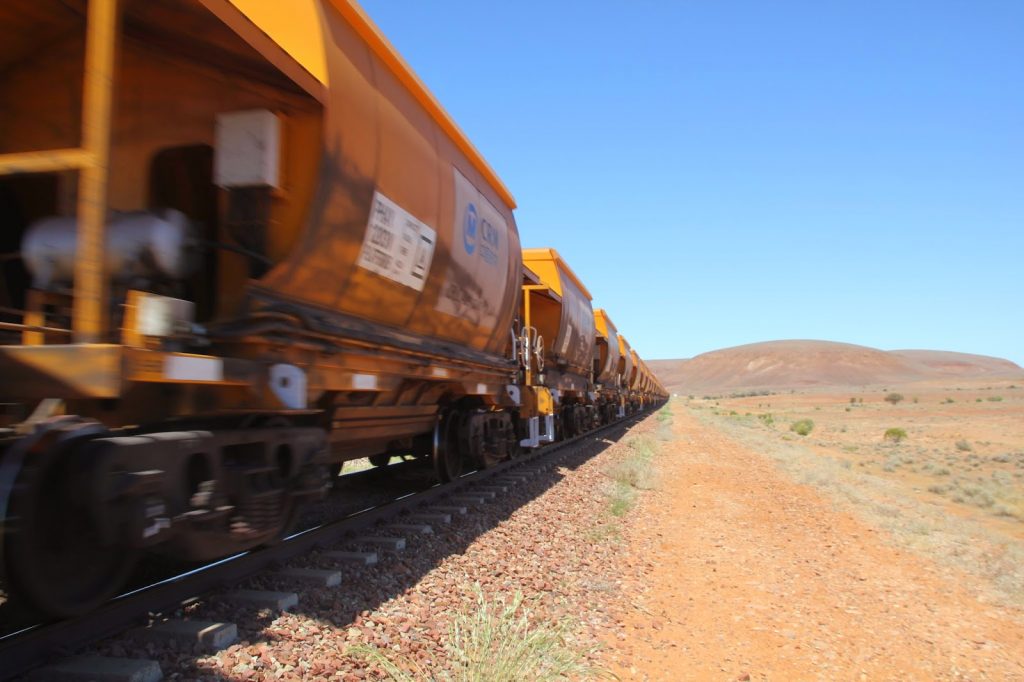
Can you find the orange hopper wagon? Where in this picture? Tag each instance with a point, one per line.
(249, 245)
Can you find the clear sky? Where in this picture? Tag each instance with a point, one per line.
(721, 172)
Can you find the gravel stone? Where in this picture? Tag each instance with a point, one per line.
(544, 537)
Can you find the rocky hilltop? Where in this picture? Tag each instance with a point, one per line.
(808, 364)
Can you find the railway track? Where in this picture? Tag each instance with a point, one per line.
(32, 646)
(353, 492)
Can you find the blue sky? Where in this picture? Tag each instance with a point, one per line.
(721, 172)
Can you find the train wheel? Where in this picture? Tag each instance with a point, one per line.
(55, 560)
(333, 472)
(568, 423)
(579, 420)
(448, 460)
(380, 460)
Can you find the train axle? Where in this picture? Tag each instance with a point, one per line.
(84, 503)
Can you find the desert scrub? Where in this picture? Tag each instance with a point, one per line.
(767, 419)
(994, 398)
(630, 475)
(967, 542)
(891, 464)
(895, 435)
(975, 495)
(894, 398)
(963, 446)
(621, 499)
(664, 432)
(802, 427)
(636, 470)
(496, 640)
(999, 495)
(605, 533)
(750, 394)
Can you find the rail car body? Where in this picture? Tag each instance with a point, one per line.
(608, 373)
(250, 245)
(346, 208)
(558, 311)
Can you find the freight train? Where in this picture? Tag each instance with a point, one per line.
(243, 244)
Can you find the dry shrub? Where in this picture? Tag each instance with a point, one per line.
(496, 640)
(802, 427)
(895, 435)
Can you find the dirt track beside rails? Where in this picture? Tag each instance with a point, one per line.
(752, 576)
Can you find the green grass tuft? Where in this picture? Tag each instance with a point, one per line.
(802, 427)
(497, 640)
(636, 470)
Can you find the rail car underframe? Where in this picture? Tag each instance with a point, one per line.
(346, 377)
(226, 467)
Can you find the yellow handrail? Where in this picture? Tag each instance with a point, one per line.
(89, 310)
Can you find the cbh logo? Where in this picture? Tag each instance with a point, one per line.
(469, 229)
(489, 242)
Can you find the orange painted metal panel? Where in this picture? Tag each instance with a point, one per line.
(608, 369)
(63, 370)
(389, 56)
(634, 377)
(295, 26)
(626, 356)
(389, 152)
(568, 329)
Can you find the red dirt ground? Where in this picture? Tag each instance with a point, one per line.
(753, 577)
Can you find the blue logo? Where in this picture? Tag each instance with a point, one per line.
(469, 229)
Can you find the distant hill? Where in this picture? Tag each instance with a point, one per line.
(946, 363)
(806, 364)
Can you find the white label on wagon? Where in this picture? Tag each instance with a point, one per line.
(397, 245)
(193, 368)
(364, 382)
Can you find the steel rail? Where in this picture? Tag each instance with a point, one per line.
(30, 647)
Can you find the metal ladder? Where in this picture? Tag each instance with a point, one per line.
(92, 161)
